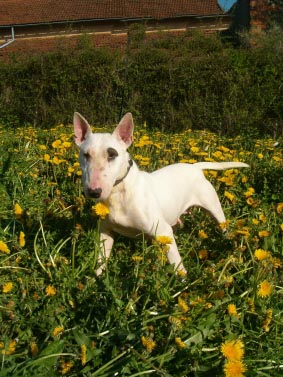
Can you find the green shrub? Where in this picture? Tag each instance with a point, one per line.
(172, 83)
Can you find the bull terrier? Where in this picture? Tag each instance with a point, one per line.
(141, 202)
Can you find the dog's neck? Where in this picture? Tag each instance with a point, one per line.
(125, 175)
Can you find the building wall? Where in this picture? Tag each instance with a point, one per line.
(114, 34)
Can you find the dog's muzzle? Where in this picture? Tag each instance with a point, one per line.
(95, 194)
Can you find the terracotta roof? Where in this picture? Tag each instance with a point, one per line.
(20, 12)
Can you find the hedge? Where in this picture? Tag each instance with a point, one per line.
(172, 83)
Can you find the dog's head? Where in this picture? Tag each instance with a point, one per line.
(103, 157)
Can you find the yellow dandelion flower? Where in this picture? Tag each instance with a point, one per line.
(101, 210)
(230, 196)
(83, 354)
(244, 231)
(250, 192)
(233, 349)
(46, 157)
(263, 233)
(183, 305)
(56, 144)
(7, 287)
(251, 305)
(224, 224)
(261, 254)
(240, 223)
(232, 310)
(164, 240)
(262, 217)
(260, 156)
(202, 234)
(279, 208)
(180, 343)
(176, 322)
(58, 330)
(4, 248)
(227, 180)
(212, 173)
(276, 262)
(235, 368)
(137, 258)
(251, 202)
(255, 221)
(34, 349)
(22, 240)
(56, 160)
(148, 343)
(267, 320)
(18, 211)
(281, 227)
(11, 348)
(265, 289)
(66, 366)
(195, 149)
(42, 147)
(218, 155)
(67, 144)
(50, 290)
(203, 254)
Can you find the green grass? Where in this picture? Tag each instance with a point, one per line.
(138, 318)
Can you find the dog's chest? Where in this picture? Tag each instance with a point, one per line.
(120, 210)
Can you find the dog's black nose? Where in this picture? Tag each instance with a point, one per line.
(95, 193)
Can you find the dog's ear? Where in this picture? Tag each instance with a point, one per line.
(82, 128)
(124, 130)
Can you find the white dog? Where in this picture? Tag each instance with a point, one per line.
(140, 202)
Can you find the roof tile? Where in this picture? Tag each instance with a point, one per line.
(19, 12)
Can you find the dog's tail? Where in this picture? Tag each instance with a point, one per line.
(220, 165)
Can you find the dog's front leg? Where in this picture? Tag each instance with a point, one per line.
(173, 254)
(106, 243)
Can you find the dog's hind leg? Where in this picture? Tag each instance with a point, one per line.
(208, 199)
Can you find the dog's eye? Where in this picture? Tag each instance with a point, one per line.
(112, 154)
(86, 156)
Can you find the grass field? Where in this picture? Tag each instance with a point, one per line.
(138, 318)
